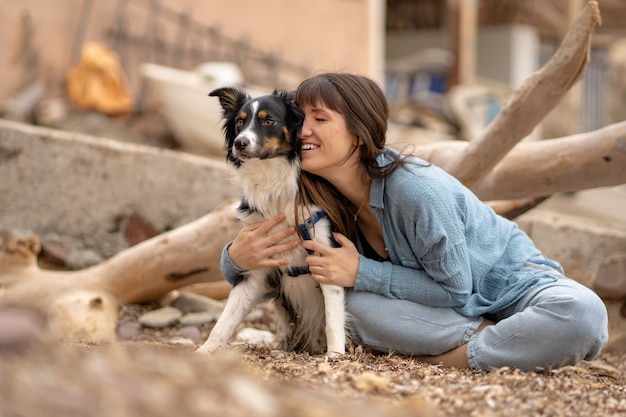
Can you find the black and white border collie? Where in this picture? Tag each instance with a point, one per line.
(263, 147)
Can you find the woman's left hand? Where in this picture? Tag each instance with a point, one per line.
(336, 266)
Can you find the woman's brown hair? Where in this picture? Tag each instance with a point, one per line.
(364, 105)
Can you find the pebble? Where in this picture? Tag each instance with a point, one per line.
(190, 332)
(18, 328)
(197, 319)
(162, 317)
(181, 341)
(80, 259)
(194, 303)
(129, 330)
(276, 353)
(255, 336)
(609, 279)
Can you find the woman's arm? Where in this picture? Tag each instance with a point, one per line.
(417, 285)
(231, 272)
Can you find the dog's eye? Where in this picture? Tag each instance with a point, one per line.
(238, 125)
(268, 122)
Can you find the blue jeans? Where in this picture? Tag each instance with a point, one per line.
(556, 324)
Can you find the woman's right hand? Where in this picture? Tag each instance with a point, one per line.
(254, 246)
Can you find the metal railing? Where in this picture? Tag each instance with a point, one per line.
(149, 31)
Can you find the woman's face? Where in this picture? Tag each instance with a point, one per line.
(326, 142)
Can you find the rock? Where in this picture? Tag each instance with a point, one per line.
(199, 318)
(193, 303)
(83, 258)
(609, 280)
(616, 344)
(137, 229)
(255, 336)
(181, 341)
(18, 328)
(51, 111)
(128, 330)
(54, 254)
(162, 317)
(190, 332)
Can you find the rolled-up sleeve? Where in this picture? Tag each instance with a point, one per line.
(231, 272)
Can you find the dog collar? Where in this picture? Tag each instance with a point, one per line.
(304, 232)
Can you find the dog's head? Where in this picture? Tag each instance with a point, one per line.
(259, 128)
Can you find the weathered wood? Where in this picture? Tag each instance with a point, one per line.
(144, 272)
(542, 168)
(574, 163)
(529, 104)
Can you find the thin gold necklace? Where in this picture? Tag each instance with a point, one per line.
(360, 207)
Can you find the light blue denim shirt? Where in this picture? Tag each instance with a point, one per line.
(446, 247)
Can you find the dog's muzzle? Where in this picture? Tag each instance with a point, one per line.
(243, 147)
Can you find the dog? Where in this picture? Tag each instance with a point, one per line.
(263, 147)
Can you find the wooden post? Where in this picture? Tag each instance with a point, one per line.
(462, 32)
(468, 30)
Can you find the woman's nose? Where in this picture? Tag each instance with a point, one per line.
(306, 131)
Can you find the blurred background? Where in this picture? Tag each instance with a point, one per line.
(417, 49)
(140, 70)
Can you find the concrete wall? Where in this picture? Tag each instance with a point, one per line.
(323, 35)
(74, 189)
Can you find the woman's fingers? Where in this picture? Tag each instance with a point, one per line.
(256, 245)
(342, 240)
(337, 266)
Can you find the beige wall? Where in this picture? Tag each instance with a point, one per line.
(321, 34)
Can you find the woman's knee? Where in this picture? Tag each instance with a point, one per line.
(594, 321)
(584, 316)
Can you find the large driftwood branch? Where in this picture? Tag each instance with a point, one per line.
(533, 169)
(529, 104)
(578, 162)
(183, 256)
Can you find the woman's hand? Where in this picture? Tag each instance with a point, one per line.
(336, 266)
(255, 245)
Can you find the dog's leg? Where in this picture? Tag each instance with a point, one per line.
(242, 299)
(335, 310)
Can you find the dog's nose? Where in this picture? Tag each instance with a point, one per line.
(241, 143)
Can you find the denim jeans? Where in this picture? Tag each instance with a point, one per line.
(556, 324)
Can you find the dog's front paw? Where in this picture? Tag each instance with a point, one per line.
(208, 348)
(335, 353)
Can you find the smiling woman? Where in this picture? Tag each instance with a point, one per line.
(432, 271)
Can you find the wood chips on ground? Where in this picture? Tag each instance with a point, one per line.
(146, 377)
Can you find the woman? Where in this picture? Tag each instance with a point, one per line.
(431, 270)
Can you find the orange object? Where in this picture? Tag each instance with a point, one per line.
(98, 82)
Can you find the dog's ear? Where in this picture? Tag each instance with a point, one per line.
(231, 99)
(289, 98)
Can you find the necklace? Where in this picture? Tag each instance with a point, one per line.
(359, 210)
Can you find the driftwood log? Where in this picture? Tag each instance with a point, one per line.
(511, 177)
(82, 305)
